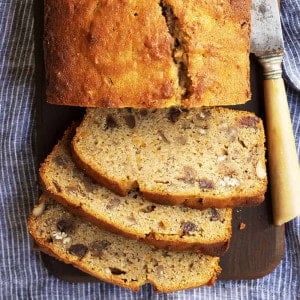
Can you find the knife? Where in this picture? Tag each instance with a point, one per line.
(283, 165)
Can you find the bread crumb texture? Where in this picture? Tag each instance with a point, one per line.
(175, 228)
(147, 54)
(115, 259)
(209, 157)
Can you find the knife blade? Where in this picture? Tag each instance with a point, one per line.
(266, 32)
(283, 164)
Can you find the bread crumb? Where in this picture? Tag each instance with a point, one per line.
(242, 226)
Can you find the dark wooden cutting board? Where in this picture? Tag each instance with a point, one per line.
(254, 251)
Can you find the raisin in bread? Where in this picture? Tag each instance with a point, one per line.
(204, 157)
(113, 258)
(147, 53)
(175, 228)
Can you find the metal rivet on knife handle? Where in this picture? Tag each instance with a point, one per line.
(284, 171)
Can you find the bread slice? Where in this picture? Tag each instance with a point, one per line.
(174, 228)
(115, 259)
(205, 157)
(147, 54)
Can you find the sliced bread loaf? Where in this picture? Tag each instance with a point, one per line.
(175, 228)
(205, 157)
(115, 259)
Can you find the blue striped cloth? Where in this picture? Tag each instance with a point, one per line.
(22, 276)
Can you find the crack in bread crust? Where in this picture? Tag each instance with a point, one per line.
(179, 53)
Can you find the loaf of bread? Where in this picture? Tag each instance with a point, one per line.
(115, 259)
(147, 54)
(174, 228)
(202, 157)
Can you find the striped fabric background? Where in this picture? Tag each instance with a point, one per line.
(22, 275)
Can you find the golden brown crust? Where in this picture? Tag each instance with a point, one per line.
(203, 203)
(122, 53)
(218, 54)
(108, 54)
(214, 249)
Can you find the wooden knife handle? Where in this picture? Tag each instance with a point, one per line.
(284, 172)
